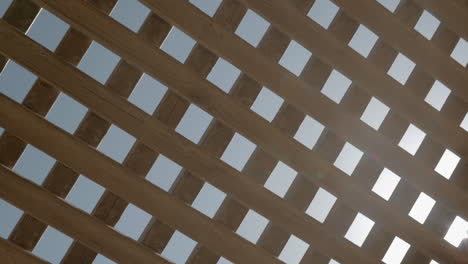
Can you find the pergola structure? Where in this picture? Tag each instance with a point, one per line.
(289, 213)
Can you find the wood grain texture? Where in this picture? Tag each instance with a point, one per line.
(44, 205)
(13, 254)
(162, 139)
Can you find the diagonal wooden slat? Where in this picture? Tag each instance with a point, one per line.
(119, 180)
(409, 42)
(363, 136)
(12, 254)
(365, 75)
(355, 198)
(158, 137)
(29, 197)
(20, 14)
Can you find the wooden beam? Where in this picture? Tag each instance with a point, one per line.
(344, 59)
(210, 99)
(13, 254)
(449, 13)
(121, 181)
(75, 223)
(20, 14)
(162, 139)
(410, 43)
(361, 135)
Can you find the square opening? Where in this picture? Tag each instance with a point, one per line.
(179, 248)
(178, 45)
(460, 52)
(147, 94)
(194, 123)
(363, 41)
(34, 165)
(437, 96)
(53, 245)
(252, 28)
(323, 12)
(336, 86)
(66, 113)
(427, 25)
(422, 208)
(390, 5)
(130, 13)
(133, 222)
(447, 164)
(386, 184)
(208, 7)
(4, 5)
(267, 104)
(10, 217)
(464, 123)
(295, 58)
(223, 74)
(238, 152)
(359, 229)
(163, 173)
(375, 113)
(321, 205)
(85, 194)
(457, 232)
(401, 68)
(252, 226)
(116, 144)
(47, 30)
(348, 158)
(294, 250)
(396, 252)
(208, 200)
(280, 179)
(309, 132)
(412, 139)
(98, 62)
(16, 81)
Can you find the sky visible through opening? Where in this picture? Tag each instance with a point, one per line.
(99, 62)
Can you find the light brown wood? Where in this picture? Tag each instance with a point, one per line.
(160, 138)
(13, 254)
(75, 223)
(384, 215)
(352, 129)
(119, 180)
(410, 43)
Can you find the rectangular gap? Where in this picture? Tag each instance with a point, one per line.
(4, 5)
(422, 208)
(294, 250)
(147, 94)
(336, 86)
(47, 30)
(194, 123)
(252, 226)
(280, 179)
(133, 222)
(437, 95)
(85, 194)
(309, 132)
(130, 14)
(321, 205)
(178, 44)
(164, 172)
(98, 62)
(267, 104)
(208, 200)
(363, 40)
(116, 144)
(295, 58)
(348, 158)
(396, 252)
(457, 232)
(386, 184)
(252, 28)
(323, 12)
(359, 229)
(447, 164)
(10, 217)
(401, 68)
(427, 25)
(66, 113)
(238, 152)
(223, 75)
(375, 113)
(207, 7)
(16, 81)
(179, 248)
(412, 139)
(460, 52)
(34, 164)
(53, 245)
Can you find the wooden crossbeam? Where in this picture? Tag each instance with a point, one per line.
(33, 199)
(119, 180)
(13, 254)
(409, 42)
(160, 138)
(284, 83)
(384, 215)
(450, 13)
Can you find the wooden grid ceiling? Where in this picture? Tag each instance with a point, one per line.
(288, 209)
